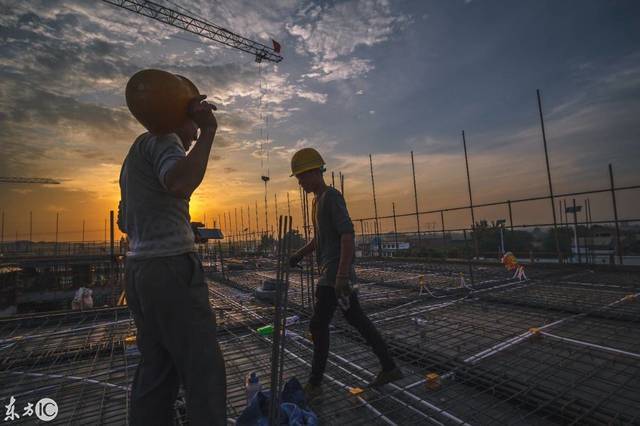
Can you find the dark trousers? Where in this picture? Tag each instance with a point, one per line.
(176, 337)
(326, 304)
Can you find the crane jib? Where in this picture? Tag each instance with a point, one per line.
(198, 27)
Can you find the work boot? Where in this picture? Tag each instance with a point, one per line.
(312, 391)
(385, 377)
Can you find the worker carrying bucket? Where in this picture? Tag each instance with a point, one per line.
(334, 244)
(165, 286)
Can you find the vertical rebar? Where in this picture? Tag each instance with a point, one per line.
(288, 205)
(575, 227)
(304, 272)
(395, 226)
(226, 228)
(375, 207)
(257, 226)
(111, 236)
(249, 236)
(590, 230)
(473, 218)
(342, 183)
(82, 231)
(30, 230)
(442, 221)
(560, 212)
(243, 235)
(333, 179)
(266, 209)
(285, 280)
(2, 231)
(275, 197)
(551, 198)
(469, 261)
(510, 215)
(415, 197)
(362, 239)
(615, 215)
(587, 236)
(57, 222)
(274, 410)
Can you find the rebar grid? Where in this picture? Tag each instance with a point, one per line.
(561, 349)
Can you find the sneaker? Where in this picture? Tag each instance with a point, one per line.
(385, 377)
(312, 391)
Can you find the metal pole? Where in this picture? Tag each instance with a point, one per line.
(362, 240)
(111, 235)
(473, 218)
(469, 262)
(242, 234)
(266, 210)
(415, 196)
(442, 220)
(235, 216)
(30, 230)
(249, 226)
(288, 205)
(575, 230)
(560, 211)
(57, 221)
(257, 226)
(82, 232)
(590, 230)
(615, 215)
(546, 157)
(510, 215)
(395, 226)
(587, 235)
(333, 179)
(375, 207)
(275, 197)
(342, 183)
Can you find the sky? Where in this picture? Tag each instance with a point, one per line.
(359, 77)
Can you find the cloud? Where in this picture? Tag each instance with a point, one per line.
(331, 33)
(330, 70)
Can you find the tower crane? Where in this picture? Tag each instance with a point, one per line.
(201, 28)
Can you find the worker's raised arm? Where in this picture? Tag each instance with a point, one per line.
(187, 174)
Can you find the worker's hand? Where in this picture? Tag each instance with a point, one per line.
(295, 259)
(201, 113)
(343, 287)
(196, 234)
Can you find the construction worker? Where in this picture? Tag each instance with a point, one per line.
(165, 286)
(334, 244)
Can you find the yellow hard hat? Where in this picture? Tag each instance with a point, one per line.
(159, 99)
(304, 160)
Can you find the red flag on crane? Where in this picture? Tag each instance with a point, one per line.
(276, 46)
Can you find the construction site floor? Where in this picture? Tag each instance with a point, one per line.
(562, 347)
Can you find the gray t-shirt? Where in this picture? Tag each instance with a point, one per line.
(157, 223)
(330, 221)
